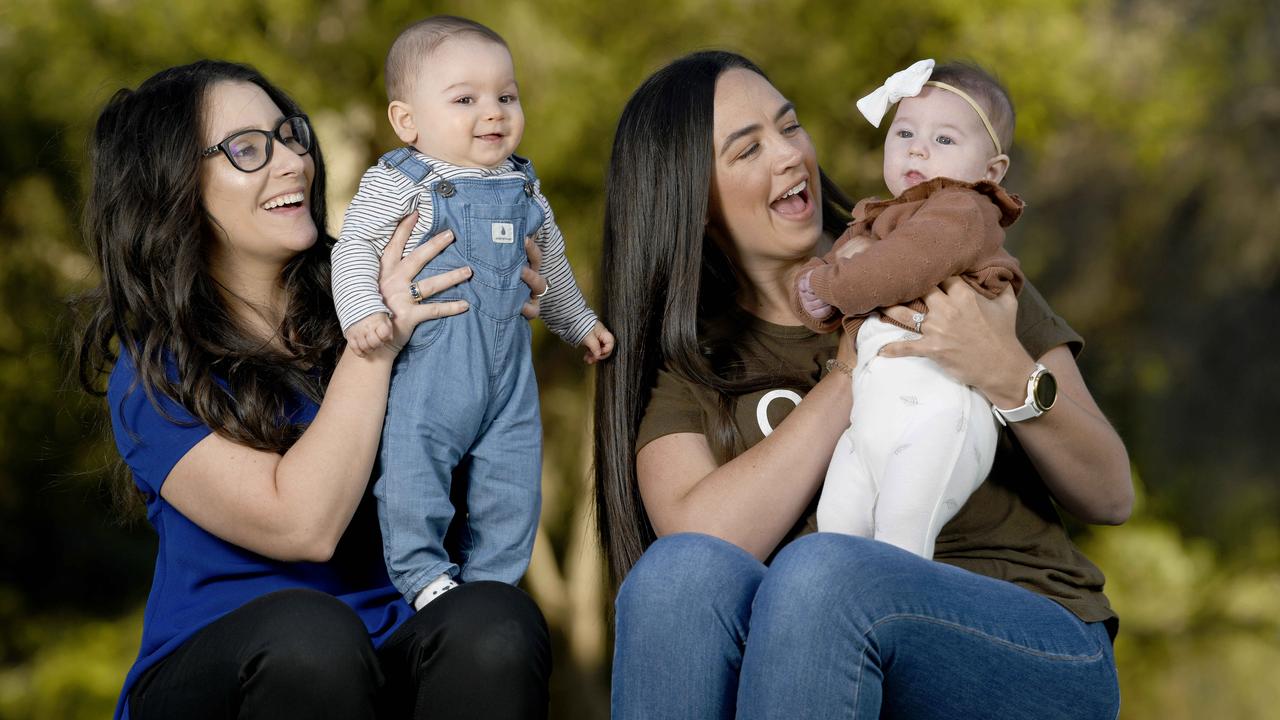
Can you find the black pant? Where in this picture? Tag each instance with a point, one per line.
(480, 650)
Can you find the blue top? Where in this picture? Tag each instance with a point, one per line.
(199, 578)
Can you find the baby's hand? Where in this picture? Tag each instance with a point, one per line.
(370, 333)
(599, 344)
(812, 304)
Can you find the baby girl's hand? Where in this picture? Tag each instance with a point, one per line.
(370, 333)
(599, 344)
(811, 303)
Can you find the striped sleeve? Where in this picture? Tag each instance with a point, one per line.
(385, 196)
(563, 309)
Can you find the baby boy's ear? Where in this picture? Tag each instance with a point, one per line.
(996, 168)
(401, 117)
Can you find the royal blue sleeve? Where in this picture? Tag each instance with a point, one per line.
(150, 441)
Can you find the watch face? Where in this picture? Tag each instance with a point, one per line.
(1046, 390)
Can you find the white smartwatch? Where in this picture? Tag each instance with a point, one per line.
(1042, 392)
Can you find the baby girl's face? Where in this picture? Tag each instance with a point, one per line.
(937, 134)
(466, 105)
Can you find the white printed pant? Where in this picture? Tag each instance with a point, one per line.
(918, 444)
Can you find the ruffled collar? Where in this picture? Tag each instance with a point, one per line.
(1010, 205)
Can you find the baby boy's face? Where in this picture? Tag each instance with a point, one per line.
(465, 103)
(937, 134)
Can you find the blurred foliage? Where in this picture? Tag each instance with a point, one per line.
(1199, 630)
(1143, 148)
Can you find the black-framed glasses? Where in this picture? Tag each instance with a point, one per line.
(250, 150)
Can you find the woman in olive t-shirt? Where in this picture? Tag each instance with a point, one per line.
(729, 607)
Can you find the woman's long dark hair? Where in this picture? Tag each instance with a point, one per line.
(665, 275)
(146, 227)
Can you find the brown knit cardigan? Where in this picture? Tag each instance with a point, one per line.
(932, 231)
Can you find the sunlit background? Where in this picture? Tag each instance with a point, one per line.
(1147, 150)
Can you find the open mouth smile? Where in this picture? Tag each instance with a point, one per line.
(286, 201)
(794, 203)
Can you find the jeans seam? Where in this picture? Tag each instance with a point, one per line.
(1059, 657)
(857, 687)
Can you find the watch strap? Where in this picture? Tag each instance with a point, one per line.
(1029, 409)
(1018, 414)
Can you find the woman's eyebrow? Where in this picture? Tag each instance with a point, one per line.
(276, 123)
(786, 108)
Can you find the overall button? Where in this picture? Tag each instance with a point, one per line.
(446, 188)
(528, 188)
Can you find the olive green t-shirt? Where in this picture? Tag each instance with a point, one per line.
(1009, 529)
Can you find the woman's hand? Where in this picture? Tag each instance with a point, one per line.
(972, 338)
(1079, 455)
(397, 276)
(531, 276)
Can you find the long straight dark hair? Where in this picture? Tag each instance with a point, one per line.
(666, 275)
(146, 227)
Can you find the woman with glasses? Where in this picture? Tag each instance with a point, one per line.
(249, 430)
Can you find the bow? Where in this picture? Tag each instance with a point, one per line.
(902, 84)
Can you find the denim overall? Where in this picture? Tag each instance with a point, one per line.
(464, 400)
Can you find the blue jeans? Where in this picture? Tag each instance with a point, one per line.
(463, 403)
(846, 627)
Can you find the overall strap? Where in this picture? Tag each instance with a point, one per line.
(524, 167)
(407, 163)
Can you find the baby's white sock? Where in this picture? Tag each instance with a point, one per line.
(433, 590)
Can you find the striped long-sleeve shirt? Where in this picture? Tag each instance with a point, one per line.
(386, 196)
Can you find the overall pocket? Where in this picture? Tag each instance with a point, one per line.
(494, 238)
(426, 332)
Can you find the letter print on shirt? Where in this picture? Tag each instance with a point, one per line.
(762, 407)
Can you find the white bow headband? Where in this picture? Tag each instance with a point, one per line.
(908, 83)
